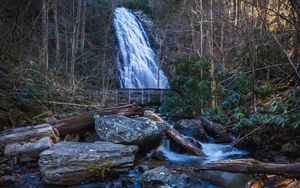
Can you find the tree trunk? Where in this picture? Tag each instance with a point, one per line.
(57, 47)
(251, 166)
(44, 56)
(75, 37)
(213, 76)
(82, 33)
(175, 135)
(86, 120)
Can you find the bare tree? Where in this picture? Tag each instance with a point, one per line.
(82, 33)
(75, 37)
(44, 56)
(57, 41)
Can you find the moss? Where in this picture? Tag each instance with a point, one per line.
(99, 167)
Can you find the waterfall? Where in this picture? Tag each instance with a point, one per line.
(137, 61)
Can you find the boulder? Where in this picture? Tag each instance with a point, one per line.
(191, 128)
(68, 163)
(28, 142)
(159, 176)
(143, 132)
(215, 130)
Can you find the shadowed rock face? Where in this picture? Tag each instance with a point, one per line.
(69, 163)
(191, 128)
(139, 131)
(217, 131)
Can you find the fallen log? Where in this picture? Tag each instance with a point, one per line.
(86, 120)
(176, 136)
(252, 166)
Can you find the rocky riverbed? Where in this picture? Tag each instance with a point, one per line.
(130, 152)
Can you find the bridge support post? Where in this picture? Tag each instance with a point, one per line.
(142, 96)
(116, 97)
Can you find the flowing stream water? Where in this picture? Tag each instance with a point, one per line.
(138, 63)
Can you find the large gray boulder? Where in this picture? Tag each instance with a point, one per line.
(139, 131)
(68, 163)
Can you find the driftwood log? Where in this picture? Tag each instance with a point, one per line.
(86, 120)
(252, 166)
(176, 136)
(28, 142)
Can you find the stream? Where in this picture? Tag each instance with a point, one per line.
(181, 162)
(28, 175)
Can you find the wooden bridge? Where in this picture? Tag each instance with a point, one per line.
(116, 97)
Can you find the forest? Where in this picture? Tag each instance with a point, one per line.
(150, 93)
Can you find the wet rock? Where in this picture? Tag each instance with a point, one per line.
(216, 130)
(140, 131)
(6, 180)
(159, 155)
(141, 168)
(191, 128)
(159, 176)
(68, 163)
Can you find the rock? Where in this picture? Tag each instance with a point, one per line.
(140, 131)
(159, 155)
(91, 137)
(28, 142)
(29, 149)
(141, 168)
(291, 149)
(215, 130)
(68, 163)
(6, 180)
(191, 128)
(159, 176)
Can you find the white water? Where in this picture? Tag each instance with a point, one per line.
(137, 61)
(214, 152)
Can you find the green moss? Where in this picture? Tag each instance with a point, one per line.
(98, 168)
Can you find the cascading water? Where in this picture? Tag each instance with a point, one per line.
(137, 61)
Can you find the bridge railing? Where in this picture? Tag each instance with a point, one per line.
(129, 96)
